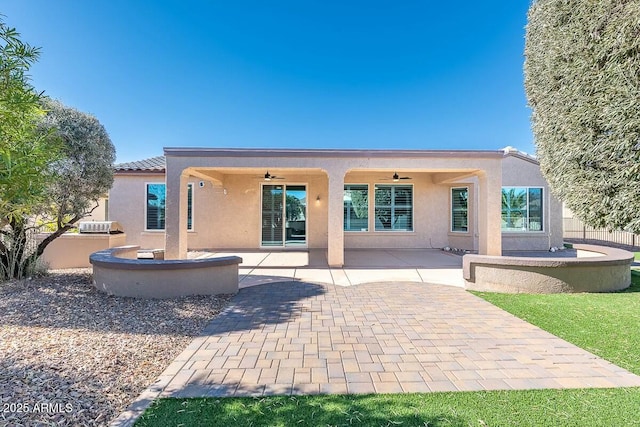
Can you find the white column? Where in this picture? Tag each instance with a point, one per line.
(335, 222)
(175, 246)
(490, 212)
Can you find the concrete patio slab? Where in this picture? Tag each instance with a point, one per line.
(322, 275)
(286, 259)
(361, 266)
(442, 276)
(250, 259)
(340, 277)
(366, 275)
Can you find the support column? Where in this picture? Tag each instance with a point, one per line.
(175, 246)
(335, 221)
(490, 211)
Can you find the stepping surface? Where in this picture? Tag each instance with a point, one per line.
(304, 338)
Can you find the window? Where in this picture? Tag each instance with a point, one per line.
(156, 205)
(522, 209)
(460, 210)
(356, 208)
(394, 208)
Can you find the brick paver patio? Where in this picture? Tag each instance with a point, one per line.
(303, 338)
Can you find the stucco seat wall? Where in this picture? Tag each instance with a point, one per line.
(606, 273)
(117, 272)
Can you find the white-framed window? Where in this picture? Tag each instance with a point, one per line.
(460, 209)
(356, 207)
(155, 206)
(393, 207)
(522, 209)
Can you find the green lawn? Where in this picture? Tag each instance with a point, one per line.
(605, 324)
(608, 407)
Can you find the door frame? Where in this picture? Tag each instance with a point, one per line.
(284, 246)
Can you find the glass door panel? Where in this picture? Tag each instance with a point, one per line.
(284, 215)
(272, 210)
(296, 214)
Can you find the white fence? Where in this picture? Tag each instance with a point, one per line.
(576, 229)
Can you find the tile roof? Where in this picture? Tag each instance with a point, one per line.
(153, 164)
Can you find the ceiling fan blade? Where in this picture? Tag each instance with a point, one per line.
(268, 177)
(397, 177)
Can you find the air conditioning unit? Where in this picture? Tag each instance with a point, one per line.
(105, 227)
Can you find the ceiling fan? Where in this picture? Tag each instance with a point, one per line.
(396, 177)
(269, 177)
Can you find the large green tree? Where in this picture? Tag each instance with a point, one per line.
(25, 152)
(582, 80)
(82, 174)
(55, 162)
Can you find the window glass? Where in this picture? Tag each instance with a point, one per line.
(156, 206)
(460, 210)
(522, 209)
(189, 207)
(394, 208)
(156, 203)
(535, 209)
(356, 208)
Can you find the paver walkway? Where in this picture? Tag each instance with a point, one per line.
(301, 338)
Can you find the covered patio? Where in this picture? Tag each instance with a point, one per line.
(403, 200)
(361, 266)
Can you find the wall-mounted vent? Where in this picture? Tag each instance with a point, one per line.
(105, 227)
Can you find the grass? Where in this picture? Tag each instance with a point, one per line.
(605, 324)
(612, 407)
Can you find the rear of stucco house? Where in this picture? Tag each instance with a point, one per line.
(208, 198)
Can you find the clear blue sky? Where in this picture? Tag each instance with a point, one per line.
(285, 74)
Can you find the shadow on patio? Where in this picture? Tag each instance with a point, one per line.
(269, 304)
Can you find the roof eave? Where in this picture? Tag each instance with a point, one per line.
(259, 152)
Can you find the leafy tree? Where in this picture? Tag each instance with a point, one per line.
(55, 162)
(84, 172)
(25, 151)
(582, 81)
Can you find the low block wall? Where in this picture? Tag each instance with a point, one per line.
(117, 273)
(609, 270)
(72, 250)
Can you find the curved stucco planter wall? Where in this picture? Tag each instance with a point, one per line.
(117, 271)
(603, 270)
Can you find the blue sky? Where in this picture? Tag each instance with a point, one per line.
(285, 74)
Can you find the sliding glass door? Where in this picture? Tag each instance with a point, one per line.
(272, 209)
(284, 215)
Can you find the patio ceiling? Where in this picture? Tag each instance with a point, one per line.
(438, 176)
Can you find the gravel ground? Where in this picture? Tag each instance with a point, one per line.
(73, 356)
